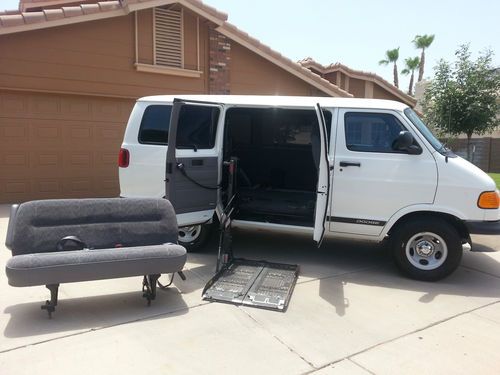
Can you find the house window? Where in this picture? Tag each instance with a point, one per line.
(168, 37)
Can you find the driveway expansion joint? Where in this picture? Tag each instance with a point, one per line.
(483, 272)
(313, 368)
(350, 356)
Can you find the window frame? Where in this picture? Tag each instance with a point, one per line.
(376, 113)
(214, 130)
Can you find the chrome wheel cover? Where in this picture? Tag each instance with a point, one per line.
(426, 251)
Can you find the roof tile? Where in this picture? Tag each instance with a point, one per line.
(90, 8)
(72, 11)
(109, 5)
(12, 20)
(33, 17)
(53, 14)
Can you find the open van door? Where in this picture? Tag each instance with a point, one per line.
(323, 187)
(192, 168)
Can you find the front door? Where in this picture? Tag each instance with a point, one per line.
(372, 180)
(192, 168)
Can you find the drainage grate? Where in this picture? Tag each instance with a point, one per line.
(253, 283)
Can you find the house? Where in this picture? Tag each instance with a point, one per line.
(358, 83)
(71, 70)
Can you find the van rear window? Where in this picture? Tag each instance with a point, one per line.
(155, 124)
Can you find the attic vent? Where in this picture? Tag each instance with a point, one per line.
(168, 37)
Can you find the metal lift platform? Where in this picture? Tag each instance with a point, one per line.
(247, 282)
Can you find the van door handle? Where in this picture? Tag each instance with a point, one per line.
(349, 164)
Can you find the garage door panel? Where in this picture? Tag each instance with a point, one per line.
(13, 104)
(58, 146)
(14, 134)
(49, 188)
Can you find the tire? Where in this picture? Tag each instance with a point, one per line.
(194, 237)
(427, 249)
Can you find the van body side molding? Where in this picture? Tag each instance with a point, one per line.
(350, 220)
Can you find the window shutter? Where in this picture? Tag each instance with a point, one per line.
(168, 37)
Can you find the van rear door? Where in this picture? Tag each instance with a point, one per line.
(193, 159)
(323, 187)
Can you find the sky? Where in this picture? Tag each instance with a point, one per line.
(358, 32)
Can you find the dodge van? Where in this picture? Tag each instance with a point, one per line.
(352, 168)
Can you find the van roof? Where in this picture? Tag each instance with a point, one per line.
(289, 101)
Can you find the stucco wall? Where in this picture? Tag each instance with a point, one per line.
(252, 74)
(92, 57)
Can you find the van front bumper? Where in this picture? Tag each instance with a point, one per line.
(483, 227)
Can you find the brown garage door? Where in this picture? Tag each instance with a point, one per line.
(59, 146)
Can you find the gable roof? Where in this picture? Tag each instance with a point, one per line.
(359, 74)
(41, 17)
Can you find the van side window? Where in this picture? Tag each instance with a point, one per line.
(197, 127)
(154, 125)
(371, 132)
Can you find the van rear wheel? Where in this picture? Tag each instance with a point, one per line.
(194, 237)
(427, 249)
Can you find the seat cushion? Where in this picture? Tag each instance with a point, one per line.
(86, 265)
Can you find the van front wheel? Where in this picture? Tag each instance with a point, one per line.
(427, 249)
(193, 237)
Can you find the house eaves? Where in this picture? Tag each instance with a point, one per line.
(16, 21)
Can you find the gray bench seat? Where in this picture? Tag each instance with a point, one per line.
(72, 240)
(87, 265)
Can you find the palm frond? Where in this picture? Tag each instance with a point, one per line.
(423, 41)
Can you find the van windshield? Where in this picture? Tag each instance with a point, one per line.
(424, 130)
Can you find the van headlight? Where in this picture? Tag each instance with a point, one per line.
(489, 200)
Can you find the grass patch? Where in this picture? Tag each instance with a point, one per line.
(496, 177)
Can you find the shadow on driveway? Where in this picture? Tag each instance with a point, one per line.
(338, 263)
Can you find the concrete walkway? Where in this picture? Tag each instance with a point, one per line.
(351, 313)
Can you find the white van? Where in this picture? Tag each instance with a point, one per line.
(353, 168)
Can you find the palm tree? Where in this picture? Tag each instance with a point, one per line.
(391, 56)
(411, 65)
(422, 42)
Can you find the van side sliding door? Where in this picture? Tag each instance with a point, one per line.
(323, 187)
(192, 168)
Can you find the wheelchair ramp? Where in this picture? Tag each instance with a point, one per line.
(253, 283)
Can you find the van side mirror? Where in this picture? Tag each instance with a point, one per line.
(405, 142)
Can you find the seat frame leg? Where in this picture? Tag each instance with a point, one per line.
(50, 306)
(149, 287)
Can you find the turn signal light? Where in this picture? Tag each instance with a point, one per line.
(489, 199)
(123, 158)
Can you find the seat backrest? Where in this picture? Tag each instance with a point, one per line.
(38, 226)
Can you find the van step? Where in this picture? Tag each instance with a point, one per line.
(253, 283)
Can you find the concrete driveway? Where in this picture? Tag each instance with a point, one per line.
(351, 312)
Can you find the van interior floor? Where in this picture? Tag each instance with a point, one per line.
(278, 206)
(253, 283)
